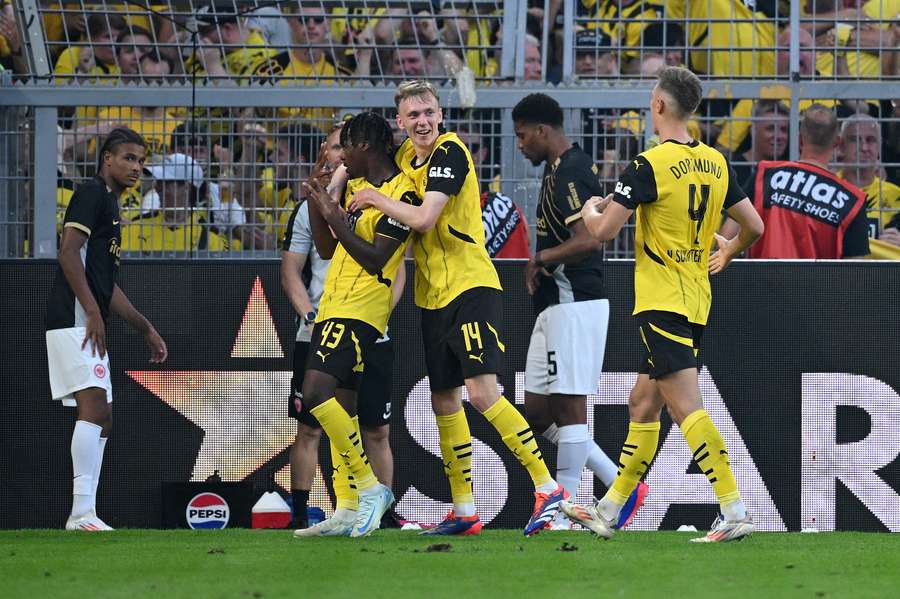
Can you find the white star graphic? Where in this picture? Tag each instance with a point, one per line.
(242, 413)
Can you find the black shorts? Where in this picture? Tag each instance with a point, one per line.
(670, 342)
(462, 339)
(373, 387)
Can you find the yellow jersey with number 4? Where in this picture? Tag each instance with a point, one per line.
(678, 190)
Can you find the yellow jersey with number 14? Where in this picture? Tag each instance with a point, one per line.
(450, 258)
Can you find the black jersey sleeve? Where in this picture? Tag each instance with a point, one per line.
(85, 208)
(447, 169)
(735, 192)
(575, 184)
(636, 184)
(856, 237)
(388, 227)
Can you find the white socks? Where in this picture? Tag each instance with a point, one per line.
(574, 446)
(85, 461)
(597, 461)
(734, 511)
(100, 448)
(464, 510)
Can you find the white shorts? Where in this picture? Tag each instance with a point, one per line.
(72, 368)
(565, 354)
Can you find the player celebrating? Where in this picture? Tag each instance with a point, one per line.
(678, 189)
(459, 293)
(366, 251)
(84, 292)
(565, 278)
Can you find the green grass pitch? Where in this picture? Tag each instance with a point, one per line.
(394, 564)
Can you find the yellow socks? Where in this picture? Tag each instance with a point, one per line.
(346, 441)
(710, 454)
(517, 435)
(456, 451)
(344, 486)
(637, 453)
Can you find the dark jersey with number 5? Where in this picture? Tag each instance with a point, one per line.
(679, 191)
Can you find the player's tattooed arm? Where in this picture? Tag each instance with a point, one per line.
(120, 304)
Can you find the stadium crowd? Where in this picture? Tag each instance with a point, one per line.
(233, 174)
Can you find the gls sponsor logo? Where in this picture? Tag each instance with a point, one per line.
(397, 223)
(624, 190)
(824, 460)
(441, 172)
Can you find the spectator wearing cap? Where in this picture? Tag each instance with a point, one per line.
(177, 227)
(595, 56)
(196, 141)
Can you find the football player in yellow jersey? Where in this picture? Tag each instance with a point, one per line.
(366, 249)
(678, 188)
(459, 292)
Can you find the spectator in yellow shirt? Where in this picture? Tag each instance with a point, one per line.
(860, 152)
(177, 227)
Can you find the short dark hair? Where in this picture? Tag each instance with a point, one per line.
(538, 109)
(116, 138)
(132, 31)
(99, 23)
(819, 127)
(684, 87)
(370, 128)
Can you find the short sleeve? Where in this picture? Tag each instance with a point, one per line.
(856, 236)
(447, 169)
(298, 239)
(574, 185)
(636, 184)
(389, 227)
(85, 209)
(735, 192)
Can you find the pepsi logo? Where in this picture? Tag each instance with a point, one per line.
(100, 371)
(207, 510)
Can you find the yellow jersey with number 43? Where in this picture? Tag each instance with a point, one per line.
(350, 291)
(450, 258)
(679, 191)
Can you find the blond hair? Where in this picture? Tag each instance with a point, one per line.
(414, 89)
